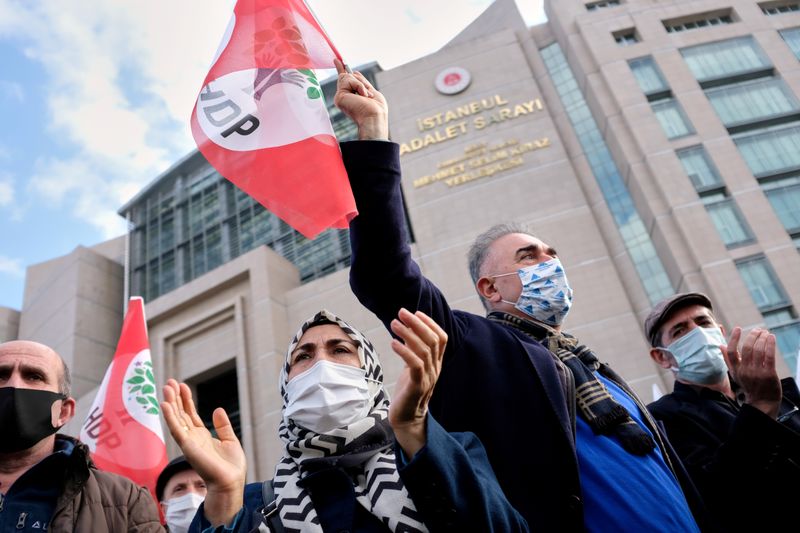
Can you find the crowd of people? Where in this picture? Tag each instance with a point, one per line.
(498, 422)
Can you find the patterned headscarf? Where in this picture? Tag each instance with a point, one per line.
(365, 448)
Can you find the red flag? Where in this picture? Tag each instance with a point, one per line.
(123, 429)
(261, 121)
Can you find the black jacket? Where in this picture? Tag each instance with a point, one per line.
(745, 464)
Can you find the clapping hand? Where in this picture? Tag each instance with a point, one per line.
(754, 368)
(219, 461)
(422, 347)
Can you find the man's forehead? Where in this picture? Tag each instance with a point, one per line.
(507, 245)
(29, 351)
(686, 313)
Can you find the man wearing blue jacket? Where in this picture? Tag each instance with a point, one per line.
(572, 446)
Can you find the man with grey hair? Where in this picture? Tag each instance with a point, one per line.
(48, 481)
(572, 446)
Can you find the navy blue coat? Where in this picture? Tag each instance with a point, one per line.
(449, 480)
(495, 381)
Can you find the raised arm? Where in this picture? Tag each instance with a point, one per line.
(383, 275)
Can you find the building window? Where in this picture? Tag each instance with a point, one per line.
(699, 168)
(784, 195)
(730, 224)
(634, 234)
(779, 8)
(221, 390)
(626, 37)
(764, 287)
(768, 294)
(672, 119)
(698, 21)
(792, 38)
(649, 78)
(772, 150)
(752, 101)
(725, 59)
(727, 219)
(594, 6)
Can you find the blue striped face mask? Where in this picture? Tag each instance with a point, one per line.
(546, 295)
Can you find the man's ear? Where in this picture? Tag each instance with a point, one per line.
(66, 412)
(486, 288)
(662, 358)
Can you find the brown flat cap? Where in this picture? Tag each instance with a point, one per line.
(664, 309)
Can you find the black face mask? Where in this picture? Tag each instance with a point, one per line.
(25, 417)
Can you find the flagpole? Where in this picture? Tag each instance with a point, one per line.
(126, 277)
(324, 33)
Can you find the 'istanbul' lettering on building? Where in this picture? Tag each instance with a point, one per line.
(456, 129)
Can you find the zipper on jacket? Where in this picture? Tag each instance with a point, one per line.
(21, 520)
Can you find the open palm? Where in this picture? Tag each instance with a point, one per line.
(219, 461)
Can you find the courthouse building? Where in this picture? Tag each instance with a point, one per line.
(655, 145)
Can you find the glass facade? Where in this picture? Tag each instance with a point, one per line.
(769, 296)
(752, 101)
(771, 150)
(723, 59)
(193, 220)
(792, 38)
(728, 220)
(699, 168)
(761, 112)
(672, 118)
(784, 195)
(779, 8)
(648, 76)
(634, 234)
(730, 224)
(698, 22)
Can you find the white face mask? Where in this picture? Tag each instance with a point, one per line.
(328, 396)
(546, 295)
(698, 356)
(181, 511)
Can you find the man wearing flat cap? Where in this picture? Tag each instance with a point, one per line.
(733, 422)
(180, 491)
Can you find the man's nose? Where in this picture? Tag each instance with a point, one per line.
(15, 380)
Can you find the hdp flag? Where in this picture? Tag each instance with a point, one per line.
(123, 429)
(261, 121)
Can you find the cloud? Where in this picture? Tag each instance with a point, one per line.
(122, 79)
(6, 190)
(11, 266)
(121, 82)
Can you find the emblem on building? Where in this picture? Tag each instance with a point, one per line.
(452, 80)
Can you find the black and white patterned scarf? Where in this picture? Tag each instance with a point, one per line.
(364, 449)
(595, 404)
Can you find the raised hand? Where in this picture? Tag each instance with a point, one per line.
(360, 101)
(422, 350)
(754, 368)
(219, 461)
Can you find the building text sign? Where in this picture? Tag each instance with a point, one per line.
(482, 160)
(477, 115)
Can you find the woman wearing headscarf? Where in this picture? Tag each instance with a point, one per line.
(351, 461)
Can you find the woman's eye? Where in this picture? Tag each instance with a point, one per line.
(341, 349)
(301, 356)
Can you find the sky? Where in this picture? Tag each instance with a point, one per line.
(96, 95)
